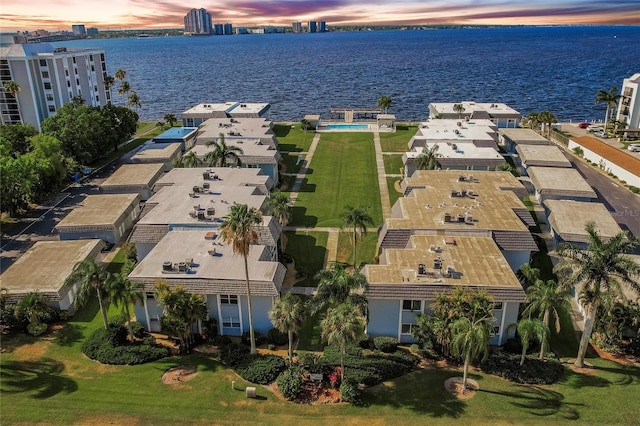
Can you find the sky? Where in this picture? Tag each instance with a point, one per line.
(149, 14)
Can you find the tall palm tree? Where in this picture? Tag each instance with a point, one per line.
(287, 315)
(356, 219)
(109, 82)
(336, 286)
(124, 89)
(342, 326)
(600, 271)
(305, 124)
(34, 306)
(91, 276)
(384, 103)
(459, 108)
(278, 207)
(428, 158)
(533, 120)
(222, 154)
(13, 88)
(120, 74)
(546, 300)
(528, 330)
(126, 292)
(611, 99)
(470, 340)
(170, 118)
(189, 160)
(134, 100)
(547, 118)
(238, 229)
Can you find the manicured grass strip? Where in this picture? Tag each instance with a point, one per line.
(392, 163)
(308, 250)
(393, 194)
(292, 162)
(398, 141)
(342, 172)
(366, 249)
(292, 138)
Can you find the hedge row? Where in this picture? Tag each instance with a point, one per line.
(253, 368)
(534, 371)
(108, 347)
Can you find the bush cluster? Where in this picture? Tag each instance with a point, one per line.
(246, 338)
(289, 382)
(367, 367)
(534, 371)
(261, 369)
(427, 352)
(277, 337)
(108, 347)
(349, 391)
(386, 344)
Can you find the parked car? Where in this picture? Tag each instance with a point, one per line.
(583, 125)
(634, 147)
(601, 134)
(594, 128)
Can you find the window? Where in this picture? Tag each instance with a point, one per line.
(411, 305)
(102, 57)
(75, 71)
(495, 331)
(47, 86)
(91, 57)
(52, 108)
(70, 95)
(150, 296)
(49, 97)
(45, 74)
(74, 59)
(97, 98)
(407, 328)
(66, 73)
(231, 322)
(229, 299)
(43, 62)
(497, 306)
(78, 81)
(68, 83)
(93, 68)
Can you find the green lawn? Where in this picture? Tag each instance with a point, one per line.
(291, 162)
(392, 163)
(293, 139)
(308, 249)
(393, 194)
(342, 172)
(366, 249)
(397, 141)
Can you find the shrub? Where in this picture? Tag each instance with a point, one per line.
(534, 371)
(245, 339)
(386, 344)
(308, 358)
(289, 382)
(137, 329)
(514, 346)
(366, 342)
(277, 337)
(403, 357)
(261, 369)
(271, 347)
(100, 347)
(349, 391)
(37, 329)
(210, 329)
(233, 354)
(425, 352)
(634, 189)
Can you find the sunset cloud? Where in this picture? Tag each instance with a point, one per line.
(117, 14)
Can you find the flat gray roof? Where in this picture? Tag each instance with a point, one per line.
(135, 175)
(253, 151)
(46, 265)
(222, 273)
(225, 177)
(523, 136)
(237, 128)
(101, 210)
(494, 109)
(542, 155)
(569, 218)
(560, 182)
(158, 152)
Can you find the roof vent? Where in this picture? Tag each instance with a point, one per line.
(167, 266)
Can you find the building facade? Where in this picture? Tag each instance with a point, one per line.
(629, 107)
(198, 22)
(48, 78)
(296, 27)
(312, 26)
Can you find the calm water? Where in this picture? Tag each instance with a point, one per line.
(534, 68)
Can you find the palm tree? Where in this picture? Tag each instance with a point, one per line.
(134, 100)
(34, 306)
(342, 326)
(337, 286)
(124, 88)
(470, 340)
(238, 229)
(91, 277)
(189, 160)
(428, 158)
(547, 118)
(305, 124)
(611, 99)
(278, 207)
(170, 118)
(533, 120)
(126, 292)
(109, 82)
(546, 299)
(600, 270)
(459, 108)
(222, 154)
(384, 103)
(287, 315)
(356, 219)
(13, 88)
(120, 74)
(530, 329)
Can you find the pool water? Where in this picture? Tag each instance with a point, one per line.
(347, 126)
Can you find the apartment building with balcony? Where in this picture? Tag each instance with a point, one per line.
(629, 106)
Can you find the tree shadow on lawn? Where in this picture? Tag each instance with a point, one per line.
(300, 218)
(203, 362)
(628, 375)
(43, 378)
(581, 380)
(421, 391)
(540, 402)
(69, 334)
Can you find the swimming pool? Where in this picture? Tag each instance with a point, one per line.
(347, 126)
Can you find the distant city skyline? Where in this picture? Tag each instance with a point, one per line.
(149, 14)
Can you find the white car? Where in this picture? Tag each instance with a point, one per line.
(594, 128)
(601, 134)
(634, 147)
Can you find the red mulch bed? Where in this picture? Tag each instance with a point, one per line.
(318, 393)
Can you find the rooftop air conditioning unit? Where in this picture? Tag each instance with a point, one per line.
(167, 266)
(447, 217)
(206, 185)
(437, 263)
(211, 211)
(200, 215)
(182, 267)
(451, 271)
(196, 189)
(421, 269)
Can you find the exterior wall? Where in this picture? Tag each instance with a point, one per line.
(108, 236)
(629, 106)
(261, 307)
(145, 193)
(383, 317)
(148, 314)
(504, 318)
(622, 174)
(67, 297)
(516, 259)
(143, 249)
(542, 197)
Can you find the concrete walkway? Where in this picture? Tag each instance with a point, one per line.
(382, 177)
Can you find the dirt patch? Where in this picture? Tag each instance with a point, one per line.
(110, 419)
(31, 352)
(626, 360)
(397, 187)
(587, 370)
(453, 385)
(179, 374)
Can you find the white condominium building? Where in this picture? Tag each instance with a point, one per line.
(629, 107)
